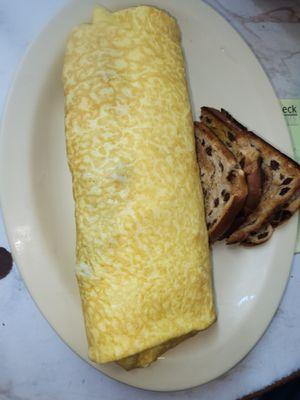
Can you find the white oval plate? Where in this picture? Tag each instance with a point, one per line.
(38, 205)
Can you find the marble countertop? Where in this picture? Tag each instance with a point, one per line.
(35, 363)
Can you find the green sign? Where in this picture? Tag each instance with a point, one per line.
(291, 112)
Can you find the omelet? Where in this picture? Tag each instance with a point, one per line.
(143, 260)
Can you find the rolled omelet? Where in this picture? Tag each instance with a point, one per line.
(143, 261)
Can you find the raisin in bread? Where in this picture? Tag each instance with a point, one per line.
(248, 156)
(281, 185)
(223, 182)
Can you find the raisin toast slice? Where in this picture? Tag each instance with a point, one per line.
(278, 218)
(281, 185)
(223, 182)
(248, 156)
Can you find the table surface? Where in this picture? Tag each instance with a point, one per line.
(35, 363)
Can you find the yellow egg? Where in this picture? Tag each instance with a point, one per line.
(143, 262)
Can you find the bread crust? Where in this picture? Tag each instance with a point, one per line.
(263, 235)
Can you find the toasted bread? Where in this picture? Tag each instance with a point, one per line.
(223, 182)
(249, 157)
(280, 179)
